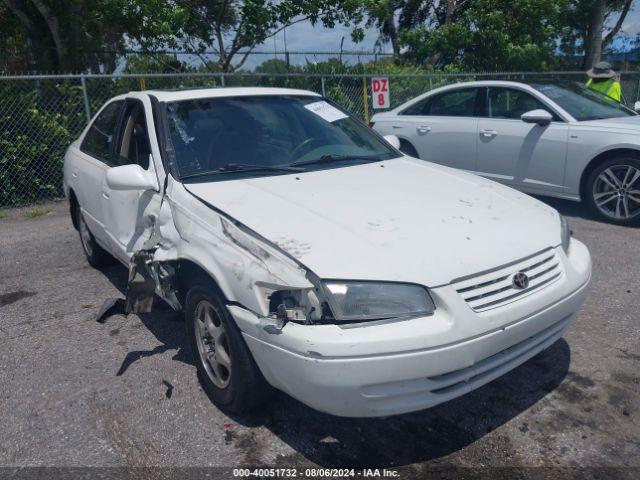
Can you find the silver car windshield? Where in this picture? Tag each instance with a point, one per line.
(228, 137)
(583, 104)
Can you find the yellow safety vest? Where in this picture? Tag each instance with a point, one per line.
(611, 88)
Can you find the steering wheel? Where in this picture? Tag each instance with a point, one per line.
(304, 144)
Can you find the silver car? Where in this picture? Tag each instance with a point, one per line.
(559, 140)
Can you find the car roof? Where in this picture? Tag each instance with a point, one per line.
(177, 95)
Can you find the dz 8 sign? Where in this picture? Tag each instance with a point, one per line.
(380, 90)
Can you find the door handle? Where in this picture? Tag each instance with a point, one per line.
(105, 195)
(422, 129)
(74, 174)
(488, 133)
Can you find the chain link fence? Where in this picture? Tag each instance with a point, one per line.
(41, 115)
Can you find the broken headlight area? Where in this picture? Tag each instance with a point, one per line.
(336, 301)
(358, 301)
(296, 305)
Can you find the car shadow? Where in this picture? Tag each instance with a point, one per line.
(395, 441)
(163, 322)
(569, 208)
(402, 440)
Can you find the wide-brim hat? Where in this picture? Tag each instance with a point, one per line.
(601, 70)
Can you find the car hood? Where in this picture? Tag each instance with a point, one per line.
(399, 220)
(619, 123)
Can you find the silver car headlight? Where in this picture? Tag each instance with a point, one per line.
(565, 233)
(351, 301)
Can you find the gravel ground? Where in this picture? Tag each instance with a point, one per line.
(77, 393)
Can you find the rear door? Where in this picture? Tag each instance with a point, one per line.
(443, 127)
(527, 156)
(96, 153)
(130, 214)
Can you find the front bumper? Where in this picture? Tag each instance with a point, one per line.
(393, 368)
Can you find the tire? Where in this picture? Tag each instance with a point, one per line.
(231, 379)
(612, 190)
(96, 255)
(408, 149)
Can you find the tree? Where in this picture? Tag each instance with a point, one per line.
(67, 35)
(486, 35)
(231, 28)
(587, 21)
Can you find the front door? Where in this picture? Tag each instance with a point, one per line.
(130, 214)
(527, 156)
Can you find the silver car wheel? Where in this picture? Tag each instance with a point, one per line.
(213, 344)
(616, 192)
(85, 236)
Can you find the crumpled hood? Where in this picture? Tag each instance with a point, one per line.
(399, 220)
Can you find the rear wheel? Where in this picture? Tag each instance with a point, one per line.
(225, 366)
(613, 190)
(96, 255)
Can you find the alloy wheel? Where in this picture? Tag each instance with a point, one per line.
(616, 192)
(213, 344)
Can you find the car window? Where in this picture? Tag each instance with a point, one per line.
(99, 139)
(455, 103)
(269, 131)
(582, 103)
(133, 146)
(511, 103)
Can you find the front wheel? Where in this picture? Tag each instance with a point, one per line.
(612, 190)
(226, 369)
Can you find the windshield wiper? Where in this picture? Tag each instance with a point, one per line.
(242, 167)
(335, 158)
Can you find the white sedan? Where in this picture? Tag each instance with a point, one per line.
(557, 140)
(309, 255)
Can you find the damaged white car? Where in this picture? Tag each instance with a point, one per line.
(309, 255)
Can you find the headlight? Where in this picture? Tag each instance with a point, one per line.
(354, 300)
(565, 233)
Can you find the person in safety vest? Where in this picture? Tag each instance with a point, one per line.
(603, 79)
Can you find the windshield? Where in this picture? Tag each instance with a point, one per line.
(265, 135)
(582, 103)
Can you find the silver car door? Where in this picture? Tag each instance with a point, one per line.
(528, 156)
(443, 127)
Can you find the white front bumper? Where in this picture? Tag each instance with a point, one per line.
(398, 367)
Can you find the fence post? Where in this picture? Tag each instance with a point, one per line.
(143, 83)
(430, 83)
(85, 97)
(222, 83)
(366, 100)
(322, 86)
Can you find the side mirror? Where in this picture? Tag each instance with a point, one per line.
(540, 116)
(393, 141)
(636, 107)
(131, 177)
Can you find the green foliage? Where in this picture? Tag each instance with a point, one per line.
(36, 212)
(36, 127)
(492, 35)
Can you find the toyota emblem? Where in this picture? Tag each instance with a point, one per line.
(520, 281)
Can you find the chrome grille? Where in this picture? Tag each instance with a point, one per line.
(493, 289)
